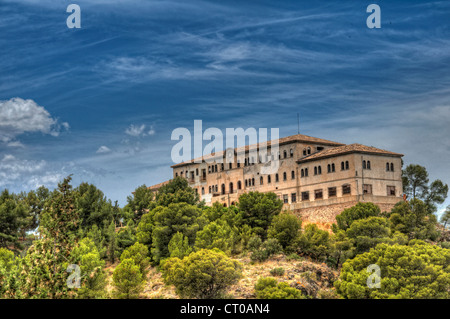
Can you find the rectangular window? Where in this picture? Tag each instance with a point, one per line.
(293, 197)
(286, 198)
(305, 195)
(367, 189)
(332, 192)
(391, 190)
(318, 194)
(346, 189)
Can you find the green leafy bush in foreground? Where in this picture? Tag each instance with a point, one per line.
(269, 288)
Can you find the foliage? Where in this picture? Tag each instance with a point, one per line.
(140, 202)
(269, 288)
(179, 246)
(204, 274)
(414, 220)
(215, 235)
(178, 217)
(359, 211)
(445, 218)
(258, 210)
(177, 191)
(128, 280)
(87, 257)
(279, 271)
(263, 251)
(14, 218)
(417, 271)
(314, 242)
(126, 236)
(139, 254)
(286, 229)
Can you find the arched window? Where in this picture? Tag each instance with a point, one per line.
(245, 162)
(304, 152)
(309, 150)
(203, 191)
(217, 188)
(285, 154)
(319, 170)
(239, 185)
(223, 189)
(279, 156)
(329, 168)
(333, 168)
(210, 189)
(215, 168)
(231, 188)
(176, 174)
(387, 167)
(291, 152)
(392, 167)
(246, 183)
(342, 166)
(222, 167)
(364, 165)
(368, 165)
(261, 180)
(315, 170)
(284, 176)
(276, 178)
(302, 173)
(269, 179)
(306, 172)
(293, 174)
(253, 182)
(347, 166)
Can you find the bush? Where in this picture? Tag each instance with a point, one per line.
(279, 271)
(215, 235)
(269, 288)
(418, 271)
(265, 250)
(314, 242)
(204, 274)
(286, 229)
(359, 211)
(138, 253)
(179, 246)
(127, 280)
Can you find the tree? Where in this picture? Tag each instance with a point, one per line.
(140, 202)
(179, 246)
(418, 271)
(177, 191)
(286, 229)
(414, 220)
(139, 254)
(369, 232)
(215, 235)
(177, 217)
(262, 251)
(359, 211)
(258, 210)
(204, 274)
(269, 288)
(43, 269)
(415, 184)
(128, 281)
(126, 236)
(445, 219)
(13, 220)
(112, 243)
(314, 242)
(93, 282)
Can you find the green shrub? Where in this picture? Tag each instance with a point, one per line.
(269, 288)
(138, 253)
(267, 249)
(127, 280)
(286, 229)
(179, 246)
(314, 242)
(279, 271)
(204, 274)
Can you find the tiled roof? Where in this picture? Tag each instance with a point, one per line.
(284, 140)
(347, 149)
(158, 186)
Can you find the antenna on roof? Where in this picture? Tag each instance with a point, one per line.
(298, 123)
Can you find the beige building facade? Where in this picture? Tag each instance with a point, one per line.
(315, 178)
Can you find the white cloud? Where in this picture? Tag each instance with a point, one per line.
(139, 131)
(18, 116)
(103, 149)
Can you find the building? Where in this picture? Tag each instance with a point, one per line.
(316, 178)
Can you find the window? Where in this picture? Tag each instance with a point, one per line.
(364, 165)
(176, 174)
(285, 154)
(293, 198)
(309, 150)
(392, 167)
(210, 189)
(284, 176)
(217, 188)
(239, 185)
(342, 166)
(261, 180)
(319, 170)
(209, 170)
(238, 164)
(391, 190)
(286, 198)
(346, 189)
(315, 170)
(320, 148)
(277, 179)
(333, 168)
(368, 165)
(230, 165)
(203, 191)
(293, 175)
(347, 166)
(222, 167)
(269, 179)
(306, 172)
(387, 167)
(231, 188)
(223, 189)
(279, 156)
(329, 168)
(305, 195)
(302, 173)
(291, 152)
(246, 183)
(253, 182)
(332, 192)
(318, 194)
(367, 189)
(304, 152)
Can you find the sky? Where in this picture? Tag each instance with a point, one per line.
(101, 102)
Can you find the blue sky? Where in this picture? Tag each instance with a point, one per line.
(101, 101)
